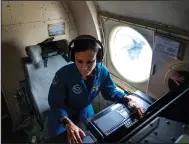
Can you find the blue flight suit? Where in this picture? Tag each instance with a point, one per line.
(69, 96)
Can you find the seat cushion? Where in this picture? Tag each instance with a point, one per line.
(40, 79)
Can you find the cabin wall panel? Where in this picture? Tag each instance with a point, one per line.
(173, 13)
(32, 11)
(85, 17)
(25, 23)
(157, 87)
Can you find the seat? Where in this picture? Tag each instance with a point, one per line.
(38, 77)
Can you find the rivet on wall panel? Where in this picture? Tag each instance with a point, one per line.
(22, 4)
(44, 21)
(9, 9)
(167, 122)
(8, 5)
(45, 9)
(20, 42)
(184, 126)
(172, 138)
(34, 27)
(11, 16)
(20, 25)
(49, 19)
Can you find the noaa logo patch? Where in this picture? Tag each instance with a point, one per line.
(77, 89)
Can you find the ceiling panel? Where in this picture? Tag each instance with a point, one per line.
(174, 13)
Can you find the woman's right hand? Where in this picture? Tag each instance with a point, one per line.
(73, 133)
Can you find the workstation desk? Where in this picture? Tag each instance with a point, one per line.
(166, 121)
(117, 112)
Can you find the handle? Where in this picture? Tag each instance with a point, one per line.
(153, 69)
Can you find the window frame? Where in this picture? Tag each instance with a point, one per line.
(111, 37)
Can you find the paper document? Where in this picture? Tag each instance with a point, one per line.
(166, 46)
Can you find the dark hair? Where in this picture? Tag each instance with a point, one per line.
(84, 44)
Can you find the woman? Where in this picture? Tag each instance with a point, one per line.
(76, 85)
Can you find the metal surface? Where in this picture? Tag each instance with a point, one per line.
(25, 23)
(159, 107)
(160, 130)
(162, 65)
(145, 23)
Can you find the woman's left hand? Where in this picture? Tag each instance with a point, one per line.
(134, 104)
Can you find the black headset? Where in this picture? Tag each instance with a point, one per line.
(100, 53)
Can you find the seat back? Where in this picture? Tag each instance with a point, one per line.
(39, 79)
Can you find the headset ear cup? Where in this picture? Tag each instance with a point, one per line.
(101, 51)
(72, 57)
(70, 50)
(99, 56)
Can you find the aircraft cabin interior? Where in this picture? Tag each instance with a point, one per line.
(144, 46)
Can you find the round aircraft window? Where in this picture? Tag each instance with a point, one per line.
(130, 54)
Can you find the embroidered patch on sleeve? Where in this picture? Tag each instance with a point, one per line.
(77, 89)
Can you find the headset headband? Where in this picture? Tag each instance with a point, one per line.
(97, 41)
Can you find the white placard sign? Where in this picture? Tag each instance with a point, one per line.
(166, 46)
